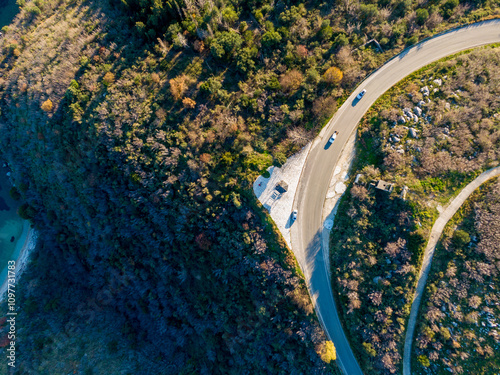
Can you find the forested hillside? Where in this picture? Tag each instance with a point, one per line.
(134, 130)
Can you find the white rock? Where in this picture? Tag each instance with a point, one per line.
(417, 111)
(413, 133)
(425, 91)
(340, 188)
(438, 81)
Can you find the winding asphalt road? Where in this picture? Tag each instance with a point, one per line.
(320, 163)
(436, 231)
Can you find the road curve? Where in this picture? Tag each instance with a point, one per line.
(436, 231)
(320, 163)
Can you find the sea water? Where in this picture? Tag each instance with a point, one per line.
(8, 10)
(13, 229)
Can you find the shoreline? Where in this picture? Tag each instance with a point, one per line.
(21, 254)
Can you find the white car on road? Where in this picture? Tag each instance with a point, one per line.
(332, 138)
(294, 215)
(360, 95)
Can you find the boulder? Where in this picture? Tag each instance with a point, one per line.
(438, 81)
(418, 111)
(413, 133)
(402, 120)
(425, 91)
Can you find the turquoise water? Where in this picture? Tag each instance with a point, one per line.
(11, 225)
(8, 10)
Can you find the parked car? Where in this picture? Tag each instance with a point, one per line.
(294, 215)
(332, 138)
(360, 95)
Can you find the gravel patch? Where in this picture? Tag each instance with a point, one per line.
(280, 205)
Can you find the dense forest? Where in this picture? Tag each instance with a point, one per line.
(460, 311)
(433, 133)
(134, 130)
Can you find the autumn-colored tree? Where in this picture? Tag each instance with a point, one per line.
(188, 103)
(47, 105)
(108, 78)
(178, 86)
(155, 77)
(199, 46)
(302, 51)
(333, 76)
(327, 352)
(323, 107)
(291, 81)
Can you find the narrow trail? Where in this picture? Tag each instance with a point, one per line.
(434, 237)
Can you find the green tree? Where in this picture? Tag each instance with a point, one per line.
(225, 44)
(26, 212)
(271, 38)
(369, 349)
(424, 361)
(245, 59)
(422, 16)
(326, 31)
(448, 7)
(460, 238)
(368, 13)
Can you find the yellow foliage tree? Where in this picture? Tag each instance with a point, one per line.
(178, 86)
(328, 352)
(47, 105)
(333, 76)
(108, 78)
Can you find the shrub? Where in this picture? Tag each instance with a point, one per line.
(279, 159)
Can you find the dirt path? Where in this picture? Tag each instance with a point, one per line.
(436, 231)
